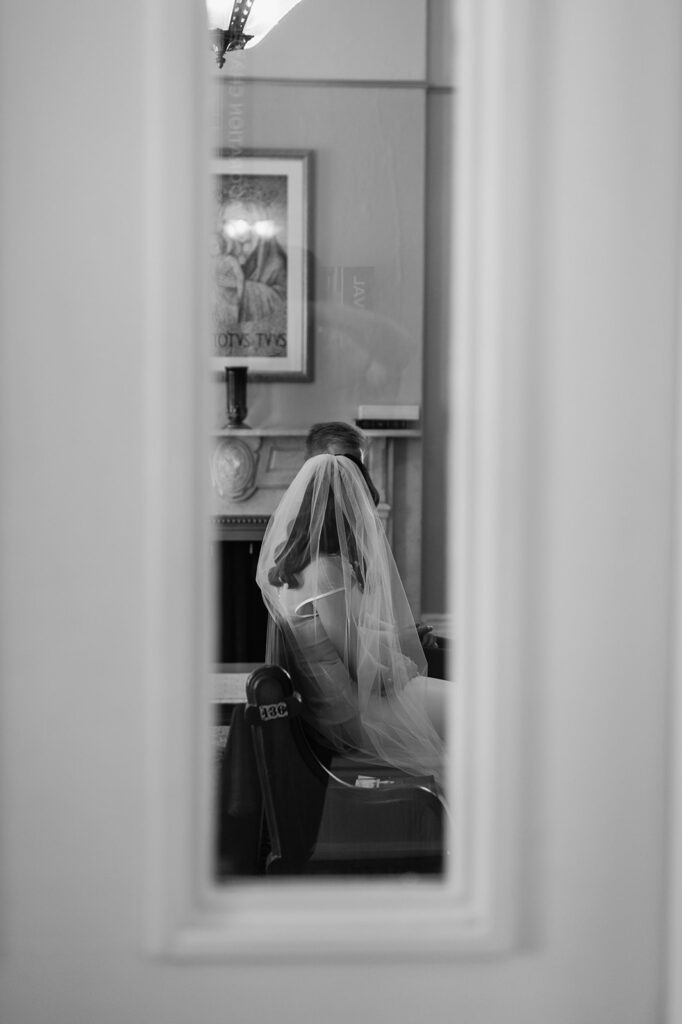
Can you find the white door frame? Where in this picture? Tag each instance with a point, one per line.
(674, 921)
(476, 909)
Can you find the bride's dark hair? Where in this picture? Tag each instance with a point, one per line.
(297, 550)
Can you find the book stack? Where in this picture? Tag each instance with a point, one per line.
(387, 417)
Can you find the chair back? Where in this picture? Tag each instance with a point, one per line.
(439, 658)
(293, 780)
(238, 804)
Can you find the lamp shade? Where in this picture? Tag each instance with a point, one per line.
(244, 23)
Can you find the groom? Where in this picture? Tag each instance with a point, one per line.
(341, 439)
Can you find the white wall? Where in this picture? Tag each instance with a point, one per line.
(73, 614)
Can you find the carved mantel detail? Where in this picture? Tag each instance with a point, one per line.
(233, 469)
(239, 527)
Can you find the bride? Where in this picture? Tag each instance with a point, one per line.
(343, 626)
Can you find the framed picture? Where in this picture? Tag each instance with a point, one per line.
(260, 251)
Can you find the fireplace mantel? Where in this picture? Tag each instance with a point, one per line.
(252, 468)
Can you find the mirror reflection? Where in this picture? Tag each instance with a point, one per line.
(329, 349)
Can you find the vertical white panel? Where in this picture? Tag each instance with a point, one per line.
(673, 979)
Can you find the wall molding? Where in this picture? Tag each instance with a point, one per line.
(474, 910)
(323, 83)
(341, 83)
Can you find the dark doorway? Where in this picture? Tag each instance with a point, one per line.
(241, 623)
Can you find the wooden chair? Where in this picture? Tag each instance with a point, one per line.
(320, 821)
(438, 658)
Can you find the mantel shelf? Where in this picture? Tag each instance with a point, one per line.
(301, 432)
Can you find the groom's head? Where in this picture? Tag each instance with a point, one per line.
(335, 438)
(338, 438)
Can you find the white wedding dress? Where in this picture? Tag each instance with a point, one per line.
(342, 624)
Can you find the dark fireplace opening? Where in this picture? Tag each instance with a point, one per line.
(241, 616)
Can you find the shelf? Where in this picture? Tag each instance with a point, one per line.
(302, 432)
(260, 432)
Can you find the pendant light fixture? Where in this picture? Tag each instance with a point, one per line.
(240, 24)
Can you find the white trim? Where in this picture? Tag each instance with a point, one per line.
(473, 911)
(176, 626)
(673, 994)
(674, 936)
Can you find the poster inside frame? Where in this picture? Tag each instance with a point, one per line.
(259, 262)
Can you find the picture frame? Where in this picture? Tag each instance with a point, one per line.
(260, 294)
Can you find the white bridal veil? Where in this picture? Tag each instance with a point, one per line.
(343, 625)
